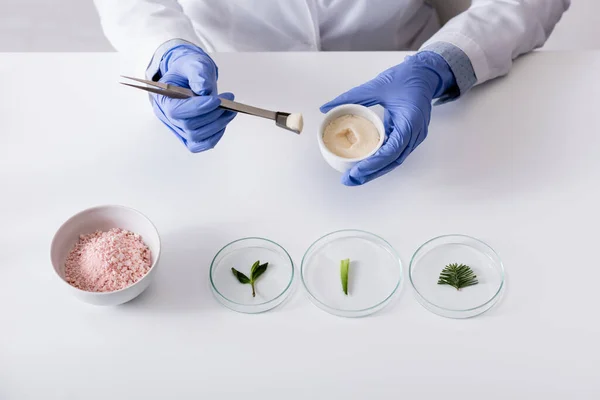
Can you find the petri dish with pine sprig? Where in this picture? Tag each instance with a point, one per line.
(456, 276)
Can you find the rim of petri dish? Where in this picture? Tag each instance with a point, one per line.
(259, 307)
(363, 312)
(434, 306)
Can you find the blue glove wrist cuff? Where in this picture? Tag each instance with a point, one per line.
(159, 64)
(153, 69)
(175, 52)
(436, 63)
(459, 63)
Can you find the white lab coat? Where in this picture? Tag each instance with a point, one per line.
(491, 32)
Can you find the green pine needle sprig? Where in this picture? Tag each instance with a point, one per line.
(458, 276)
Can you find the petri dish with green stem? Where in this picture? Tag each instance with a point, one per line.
(374, 273)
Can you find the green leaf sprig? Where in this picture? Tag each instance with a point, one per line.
(344, 269)
(458, 276)
(255, 272)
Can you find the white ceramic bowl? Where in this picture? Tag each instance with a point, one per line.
(104, 218)
(340, 163)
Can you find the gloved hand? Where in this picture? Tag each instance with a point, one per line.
(406, 92)
(197, 121)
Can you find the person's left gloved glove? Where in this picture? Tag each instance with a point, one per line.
(198, 121)
(406, 92)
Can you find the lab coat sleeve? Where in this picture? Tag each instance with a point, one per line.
(494, 32)
(137, 28)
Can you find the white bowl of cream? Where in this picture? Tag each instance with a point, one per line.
(348, 134)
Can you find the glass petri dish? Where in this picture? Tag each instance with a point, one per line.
(272, 288)
(431, 258)
(375, 273)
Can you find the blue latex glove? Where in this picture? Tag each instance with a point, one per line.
(406, 92)
(197, 121)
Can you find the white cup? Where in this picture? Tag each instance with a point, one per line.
(340, 163)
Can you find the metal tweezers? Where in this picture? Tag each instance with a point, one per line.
(178, 92)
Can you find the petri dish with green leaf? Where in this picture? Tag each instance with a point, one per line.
(251, 275)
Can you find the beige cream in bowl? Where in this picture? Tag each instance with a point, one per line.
(348, 134)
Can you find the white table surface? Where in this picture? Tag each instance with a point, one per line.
(515, 163)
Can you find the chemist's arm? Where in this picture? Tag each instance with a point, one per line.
(141, 29)
(480, 43)
(163, 44)
(475, 46)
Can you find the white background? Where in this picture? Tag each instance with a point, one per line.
(72, 25)
(514, 163)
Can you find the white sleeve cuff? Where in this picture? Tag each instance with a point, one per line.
(469, 47)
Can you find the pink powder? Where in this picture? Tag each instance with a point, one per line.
(107, 261)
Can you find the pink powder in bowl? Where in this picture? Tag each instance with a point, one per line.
(107, 261)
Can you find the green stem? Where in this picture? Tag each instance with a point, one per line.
(253, 291)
